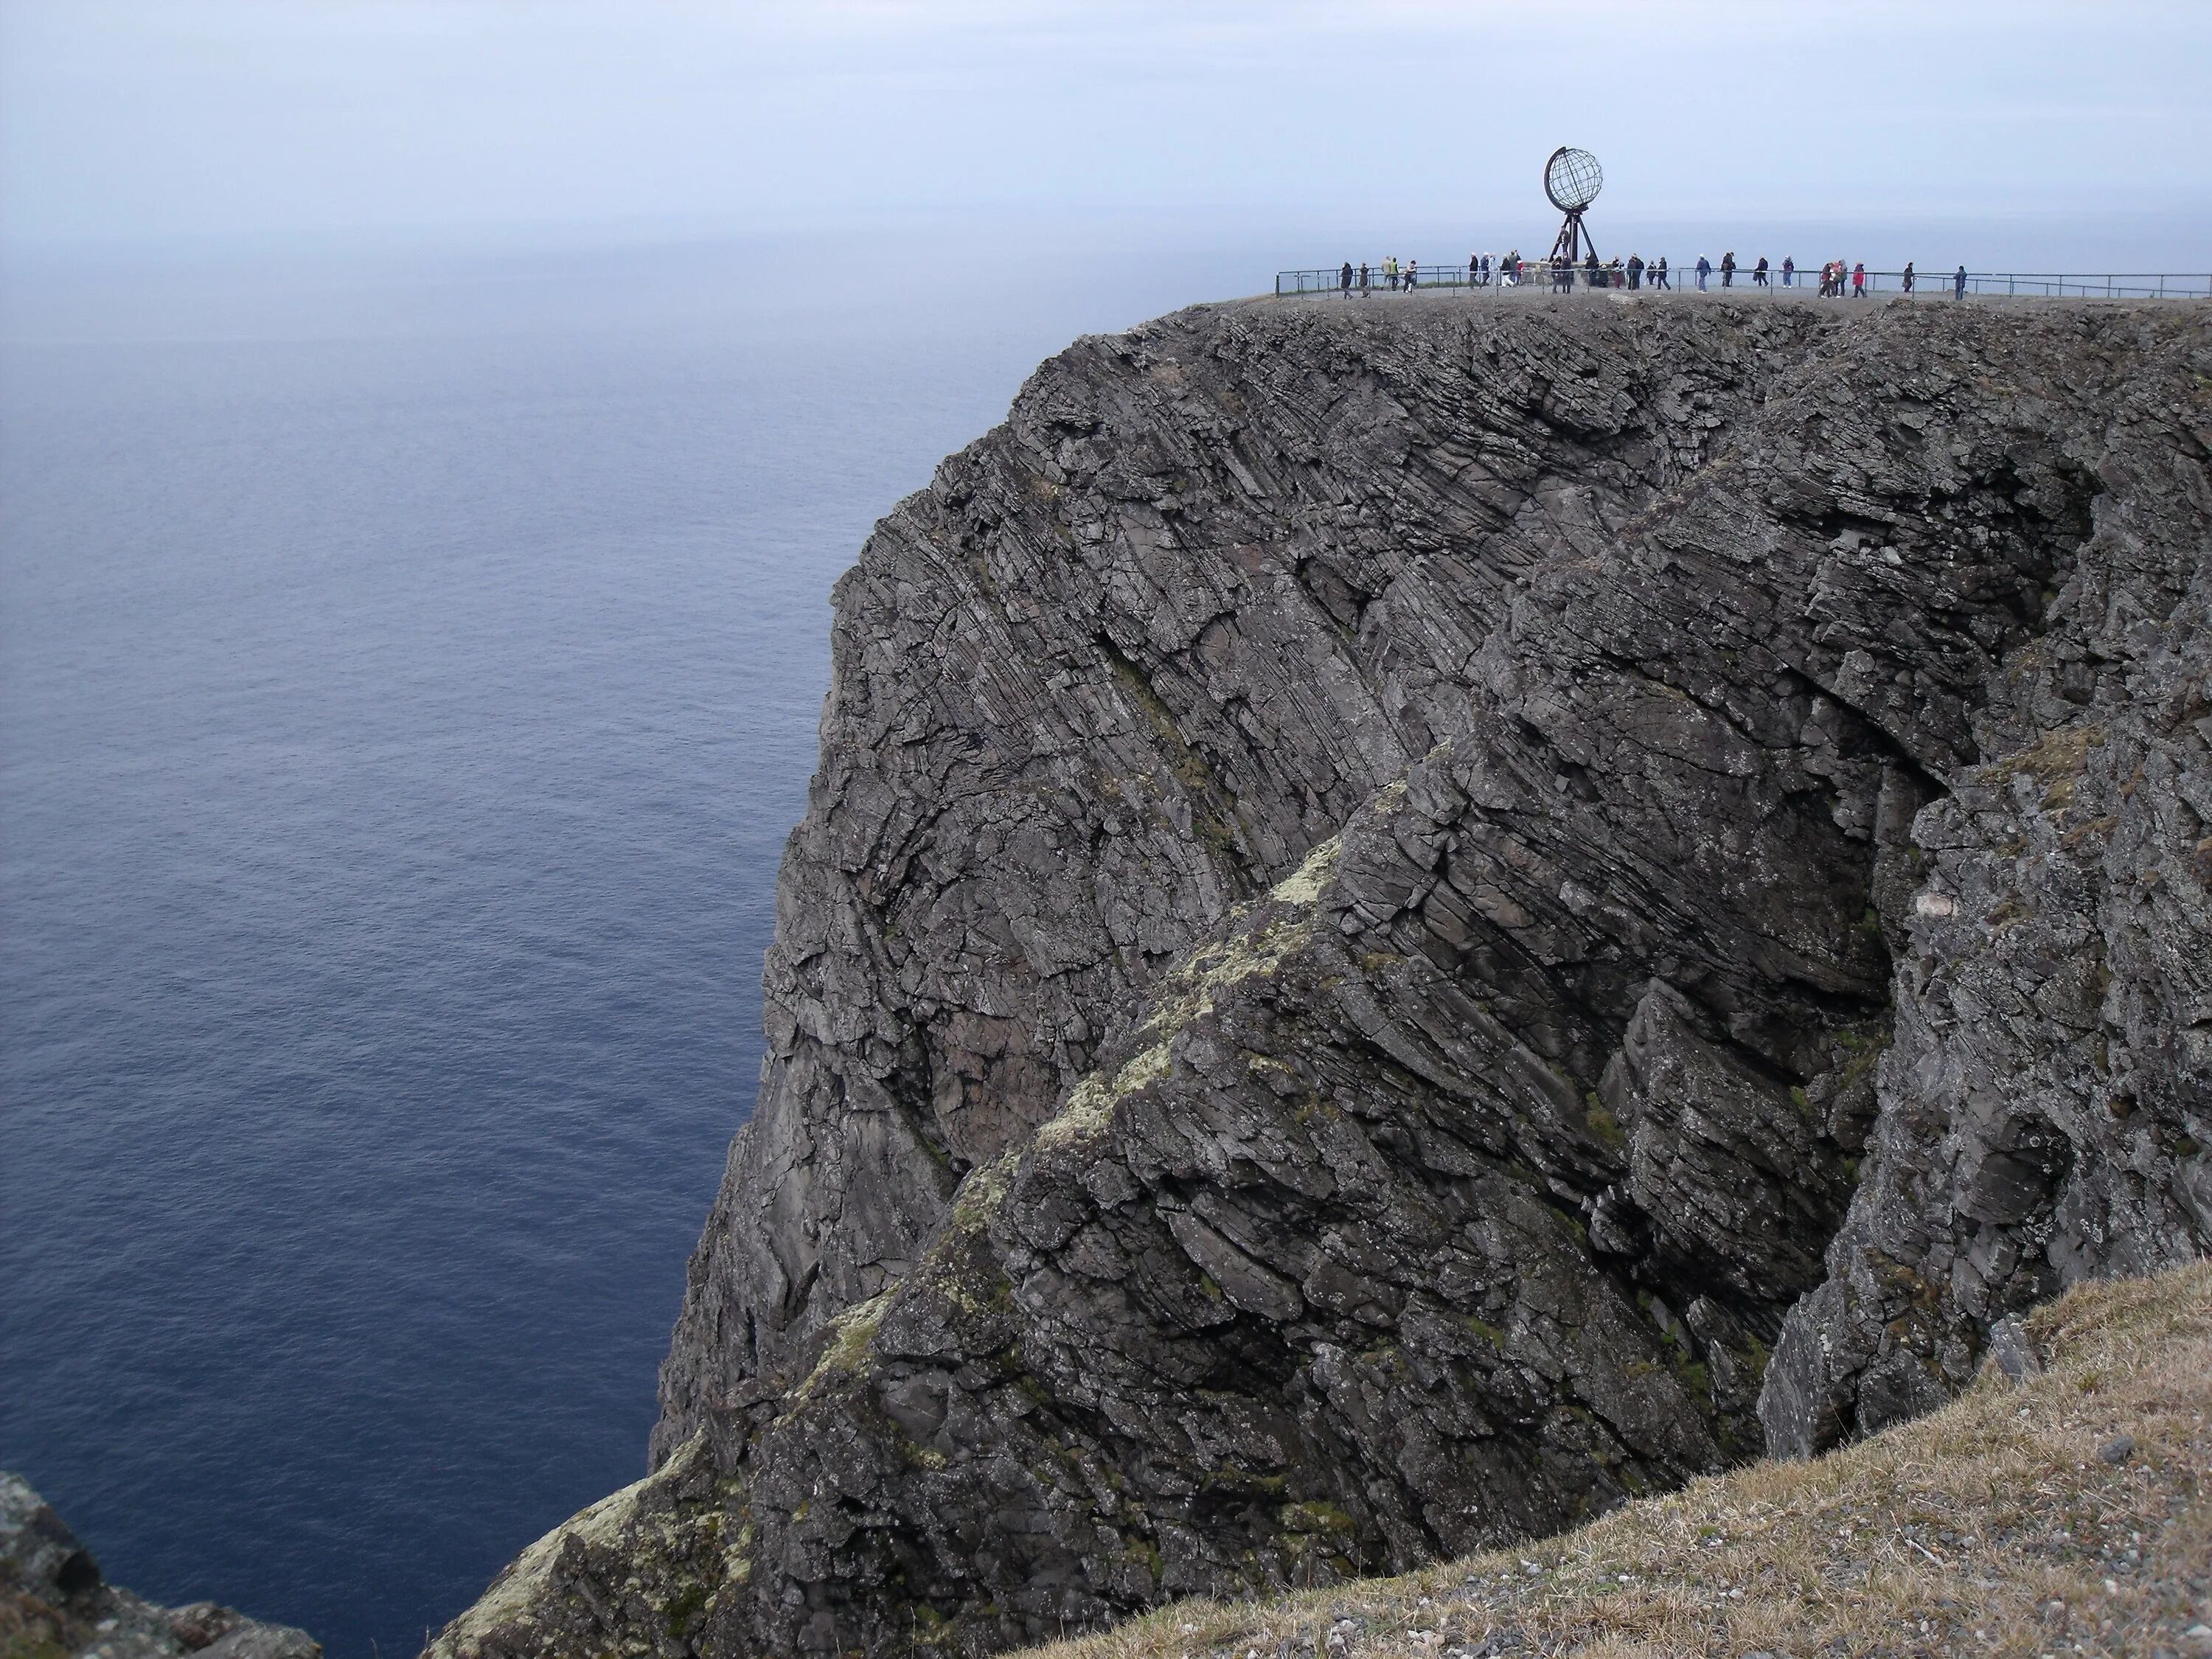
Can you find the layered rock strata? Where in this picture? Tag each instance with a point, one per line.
(55, 1601)
(1418, 918)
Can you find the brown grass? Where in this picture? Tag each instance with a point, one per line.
(1991, 1527)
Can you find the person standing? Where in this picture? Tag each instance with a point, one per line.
(1705, 270)
(1958, 284)
(1343, 279)
(1908, 277)
(1759, 273)
(1412, 274)
(1789, 270)
(1859, 280)
(1727, 268)
(1364, 289)
(1659, 273)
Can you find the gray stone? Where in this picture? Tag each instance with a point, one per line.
(54, 1600)
(199, 1623)
(1393, 902)
(41, 1554)
(255, 1640)
(2012, 1351)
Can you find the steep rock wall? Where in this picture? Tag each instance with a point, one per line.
(1400, 894)
(1117, 669)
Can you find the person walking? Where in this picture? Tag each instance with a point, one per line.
(1412, 274)
(1390, 272)
(1908, 278)
(1958, 284)
(1705, 270)
(1727, 268)
(1343, 279)
(1858, 281)
(1788, 270)
(1659, 275)
(1759, 273)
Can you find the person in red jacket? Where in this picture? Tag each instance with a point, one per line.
(1858, 281)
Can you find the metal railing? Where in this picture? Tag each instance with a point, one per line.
(1536, 279)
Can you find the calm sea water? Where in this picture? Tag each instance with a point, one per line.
(409, 672)
(410, 676)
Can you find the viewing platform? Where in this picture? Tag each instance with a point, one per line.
(1536, 279)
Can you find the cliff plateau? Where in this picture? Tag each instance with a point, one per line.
(1420, 918)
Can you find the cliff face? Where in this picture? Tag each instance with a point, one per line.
(1418, 919)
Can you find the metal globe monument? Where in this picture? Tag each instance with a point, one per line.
(1573, 178)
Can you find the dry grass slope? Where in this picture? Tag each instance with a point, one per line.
(2068, 1514)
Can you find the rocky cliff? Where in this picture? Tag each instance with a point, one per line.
(55, 1602)
(1418, 918)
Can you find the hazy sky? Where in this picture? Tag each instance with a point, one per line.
(225, 118)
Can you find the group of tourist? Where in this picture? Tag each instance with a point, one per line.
(1509, 270)
(1391, 274)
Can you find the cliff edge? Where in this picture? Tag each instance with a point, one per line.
(1419, 919)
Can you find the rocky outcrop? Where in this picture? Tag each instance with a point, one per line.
(1400, 895)
(54, 1602)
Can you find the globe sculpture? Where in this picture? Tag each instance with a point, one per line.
(1573, 178)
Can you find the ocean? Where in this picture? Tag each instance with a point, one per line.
(408, 674)
(410, 664)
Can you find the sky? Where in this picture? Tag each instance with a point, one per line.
(243, 120)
